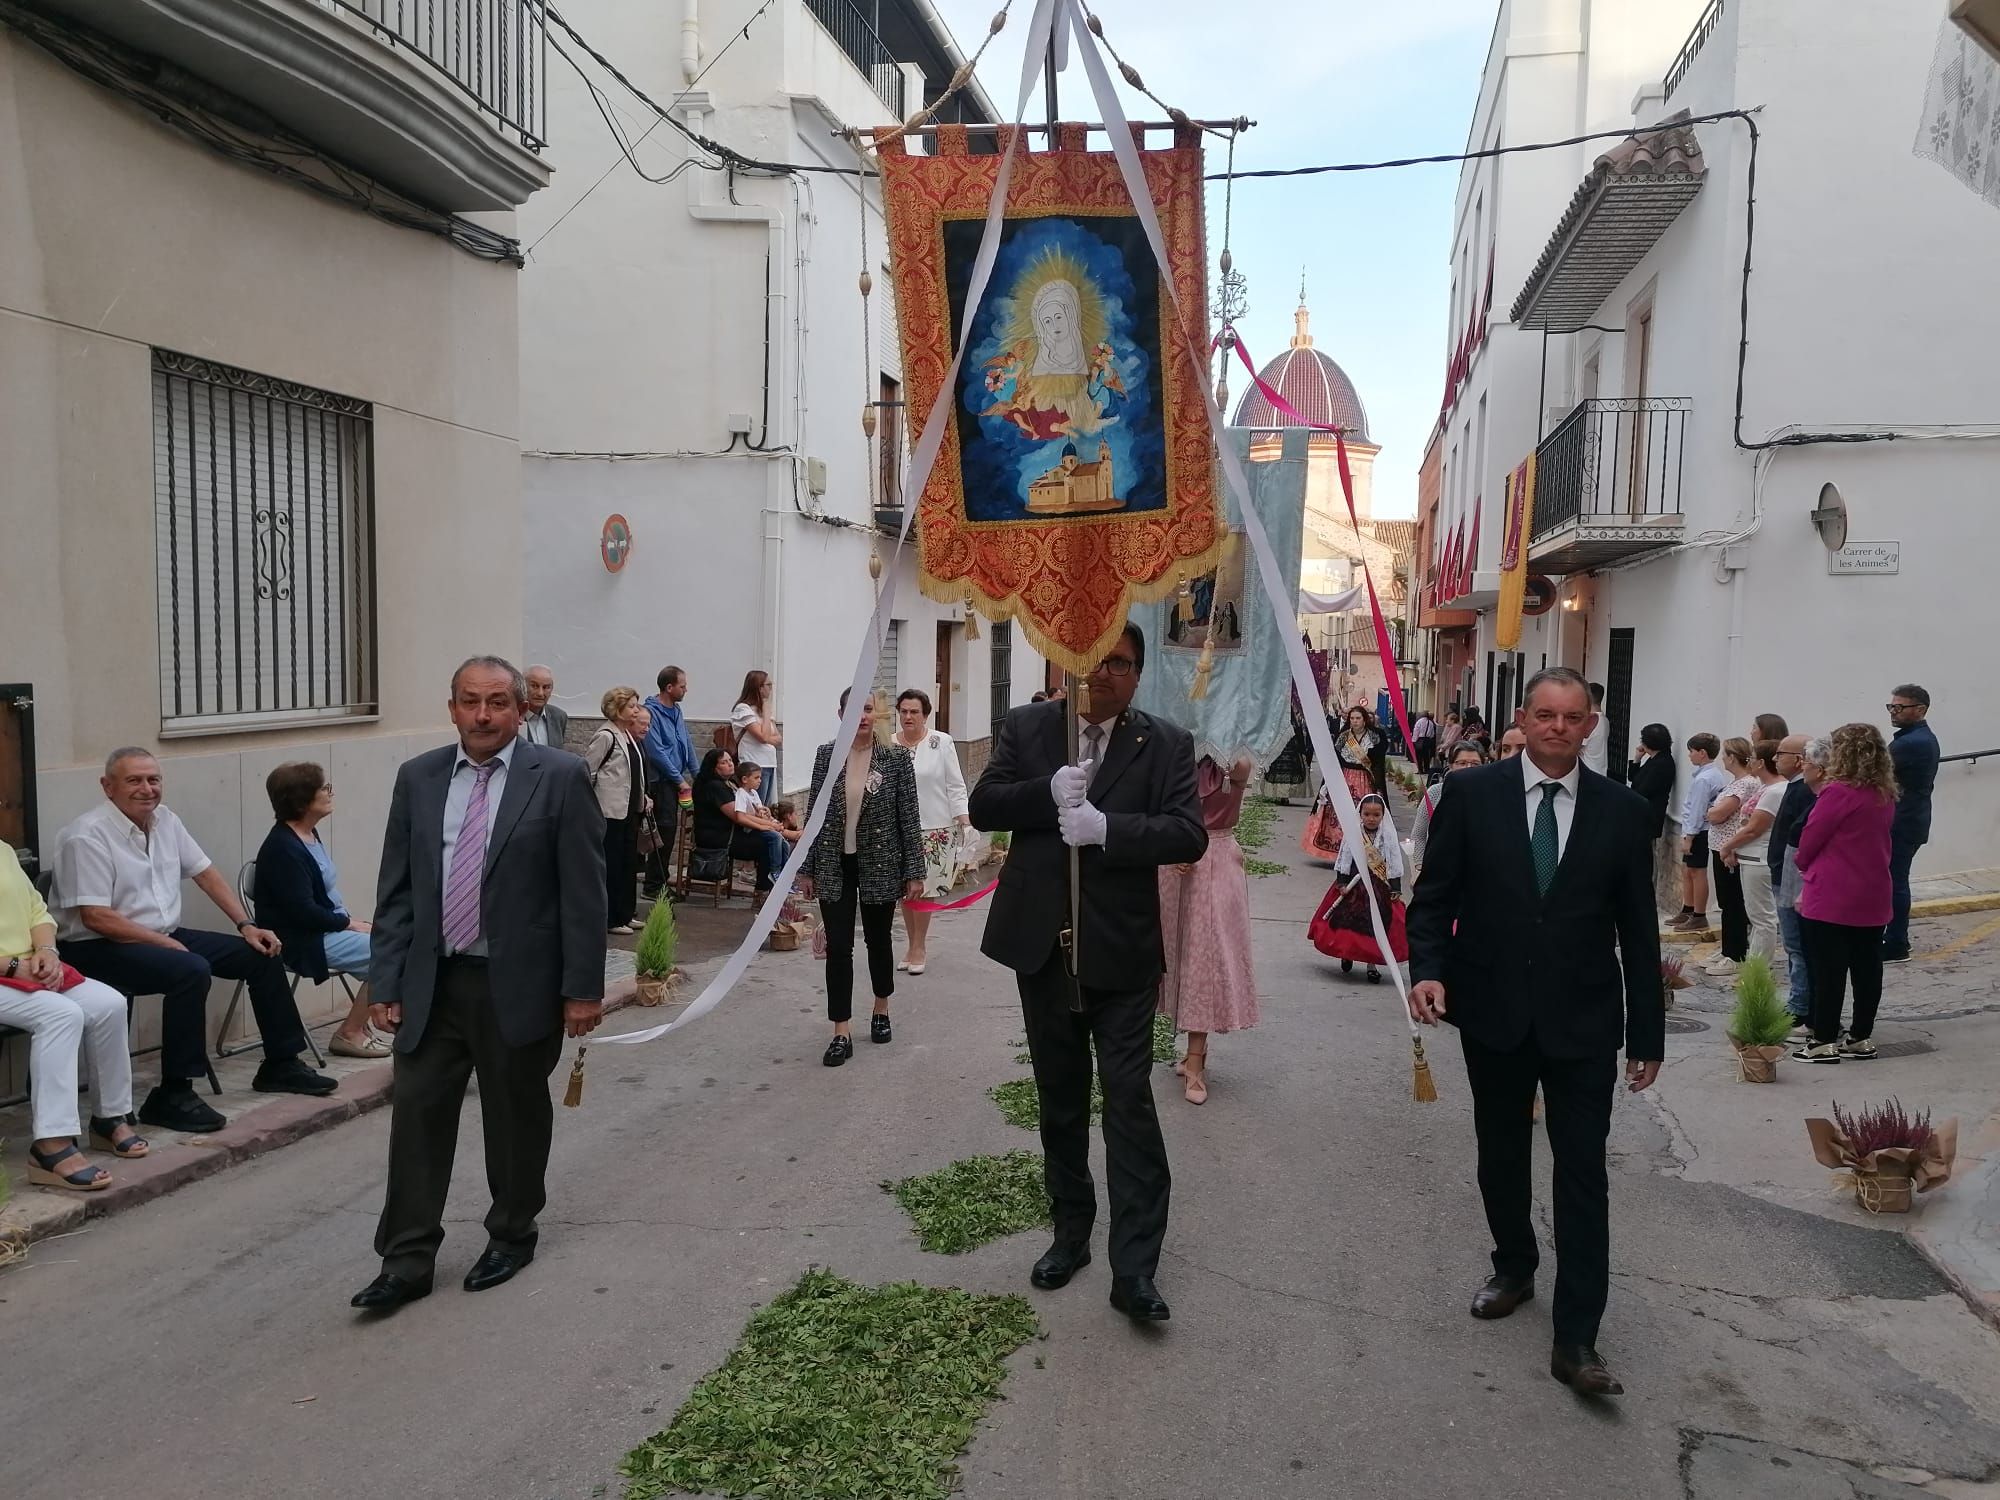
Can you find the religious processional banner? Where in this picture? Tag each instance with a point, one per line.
(1076, 478)
(1247, 709)
(1516, 529)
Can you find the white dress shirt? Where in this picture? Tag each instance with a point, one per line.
(1565, 800)
(456, 798)
(105, 859)
(1597, 743)
(534, 729)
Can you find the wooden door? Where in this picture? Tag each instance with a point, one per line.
(945, 628)
(17, 772)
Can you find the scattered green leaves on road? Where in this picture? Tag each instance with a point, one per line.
(1253, 831)
(840, 1392)
(973, 1202)
(1163, 1039)
(1021, 1106)
(1262, 867)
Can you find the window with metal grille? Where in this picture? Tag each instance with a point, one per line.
(264, 524)
(1001, 634)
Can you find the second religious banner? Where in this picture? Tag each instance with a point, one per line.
(1076, 477)
(1517, 528)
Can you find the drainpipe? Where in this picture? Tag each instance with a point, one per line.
(690, 40)
(780, 473)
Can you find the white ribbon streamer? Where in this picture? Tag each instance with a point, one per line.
(1277, 588)
(922, 459)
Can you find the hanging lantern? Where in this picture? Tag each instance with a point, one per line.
(875, 562)
(971, 619)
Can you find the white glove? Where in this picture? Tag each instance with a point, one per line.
(1082, 826)
(1069, 784)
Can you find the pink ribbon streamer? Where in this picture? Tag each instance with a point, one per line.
(960, 904)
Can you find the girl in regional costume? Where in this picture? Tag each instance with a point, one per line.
(1361, 758)
(1205, 922)
(1341, 927)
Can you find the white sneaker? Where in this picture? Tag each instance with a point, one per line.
(1722, 968)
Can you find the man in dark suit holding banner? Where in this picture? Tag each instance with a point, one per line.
(1533, 931)
(1128, 806)
(488, 948)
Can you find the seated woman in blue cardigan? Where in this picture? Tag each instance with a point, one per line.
(298, 898)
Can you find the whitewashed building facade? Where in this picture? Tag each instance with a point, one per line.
(1687, 421)
(697, 358)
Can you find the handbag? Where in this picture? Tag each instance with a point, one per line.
(708, 864)
(649, 834)
(71, 978)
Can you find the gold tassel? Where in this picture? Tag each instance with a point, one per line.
(1421, 1087)
(573, 1095)
(971, 626)
(1203, 667)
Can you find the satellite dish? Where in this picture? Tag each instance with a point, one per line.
(1830, 519)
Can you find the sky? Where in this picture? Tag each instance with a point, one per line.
(1326, 81)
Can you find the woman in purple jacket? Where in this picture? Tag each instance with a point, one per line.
(1843, 861)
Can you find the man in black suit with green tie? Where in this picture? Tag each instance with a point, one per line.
(1128, 807)
(1532, 929)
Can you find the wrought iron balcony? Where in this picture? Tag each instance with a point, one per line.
(855, 29)
(442, 100)
(1608, 483)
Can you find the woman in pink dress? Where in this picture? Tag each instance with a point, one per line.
(1205, 921)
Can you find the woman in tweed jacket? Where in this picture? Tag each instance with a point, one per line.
(869, 855)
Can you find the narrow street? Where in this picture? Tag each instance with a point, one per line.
(1326, 1237)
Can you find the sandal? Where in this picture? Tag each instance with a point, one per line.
(85, 1179)
(1197, 1080)
(104, 1137)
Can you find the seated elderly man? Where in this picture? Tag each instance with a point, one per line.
(118, 873)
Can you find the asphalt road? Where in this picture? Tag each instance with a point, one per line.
(1326, 1236)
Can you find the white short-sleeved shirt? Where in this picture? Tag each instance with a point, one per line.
(748, 801)
(748, 746)
(1758, 850)
(105, 859)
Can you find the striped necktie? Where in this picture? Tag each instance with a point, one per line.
(468, 866)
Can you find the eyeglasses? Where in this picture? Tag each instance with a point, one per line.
(1117, 666)
(327, 788)
(1897, 708)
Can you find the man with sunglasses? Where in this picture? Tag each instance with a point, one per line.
(1914, 751)
(1129, 806)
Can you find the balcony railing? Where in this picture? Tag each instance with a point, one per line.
(1691, 48)
(852, 28)
(1608, 482)
(493, 51)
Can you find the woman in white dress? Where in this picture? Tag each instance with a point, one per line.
(757, 734)
(941, 812)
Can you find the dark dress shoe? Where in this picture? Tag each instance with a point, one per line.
(1064, 1260)
(1501, 1295)
(1582, 1369)
(287, 1075)
(878, 1029)
(838, 1051)
(1139, 1299)
(178, 1107)
(388, 1292)
(494, 1267)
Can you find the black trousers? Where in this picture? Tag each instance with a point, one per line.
(666, 797)
(1833, 952)
(1120, 1022)
(516, 1118)
(1576, 1093)
(182, 978)
(1735, 918)
(621, 874)
(878, 922)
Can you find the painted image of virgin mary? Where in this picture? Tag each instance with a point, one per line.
(1056, 375)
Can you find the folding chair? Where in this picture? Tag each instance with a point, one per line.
(246, 882)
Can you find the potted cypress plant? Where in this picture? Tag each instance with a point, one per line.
(658, 941)
(1759, 1024)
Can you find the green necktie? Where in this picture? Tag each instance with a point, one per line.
(1543, 843)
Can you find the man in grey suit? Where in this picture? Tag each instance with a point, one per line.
(543, 723)
(488, 948)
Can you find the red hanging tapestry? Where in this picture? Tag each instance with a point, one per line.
(1077, 473)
